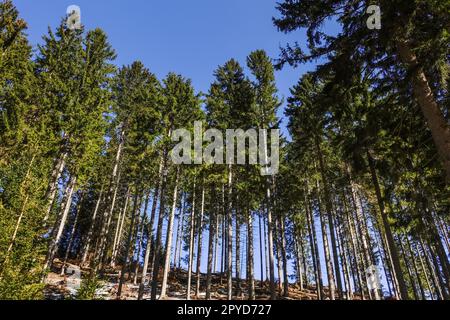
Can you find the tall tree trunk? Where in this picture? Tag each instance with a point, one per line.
(329, 208)
(52, 188)
(158, 244)
(110, 203)
(392, 250)
(212, 233)
(416, 268)
(230, 235)
(314, 247)
(238, 255)
(356, 265)
(141, 237)
(169, 238)
(326, 247)
(250, 260)
(21, 215)
(128, 243)
(437, 123)
(199, 242)
(91, 228)
(150, 233)
(284, 258)
(106, 222)
(179, 230)
(273, 293)
(216, 243)
(191, 243)
(119, 229)
(72, 233)
(60, 223)
(261, 264)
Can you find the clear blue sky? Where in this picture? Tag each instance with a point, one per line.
(191, 38)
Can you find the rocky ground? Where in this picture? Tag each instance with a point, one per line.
(60, 287)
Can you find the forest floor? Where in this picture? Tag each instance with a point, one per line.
(60, 287)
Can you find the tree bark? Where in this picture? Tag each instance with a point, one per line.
(191, 244)
(169, 238)
(250, 260)
(59, 225)
(393, 252)
(438, 125)
(199, 242)
(230, 235)
(91, 228)
(128, 244)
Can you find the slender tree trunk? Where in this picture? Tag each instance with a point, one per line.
(261, 264)
(72, 233)
(416, 268)
(211, 237)
(169, 238)
(128, 244)
(199, 242)
(314, 248)
(150, 234)
(354, 247)
(238, 257)
(52, 188)
(59, 225)
(191, 244)
(266, 253)
(141, 237)
(158, 244)
(181, 231)
(216, 243)
(250, 260)
(326, 248)
(91, 228)
(284, 258)
(179, 228)
(22, 213)
(230, 235)
(273, 293)
(392, 250)
(329, 209)
(107, 218)
(119, 229)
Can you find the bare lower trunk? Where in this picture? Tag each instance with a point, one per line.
(169, 239)
(59, 225)
(91, 228)
(284, 258)
(191, 245)
(261, 264)
(250, 260)
(72, 233)
(141, 237)
(314, 248)
(273, 293)
(326, 248)
(393, 252)
(211, 237)
(199, 243)
(50, 194)
(150, 234)
(230, 236)
(119, 229)
(128, 244)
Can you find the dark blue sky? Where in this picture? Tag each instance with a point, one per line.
(191, 38)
